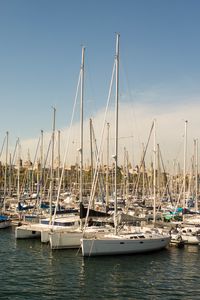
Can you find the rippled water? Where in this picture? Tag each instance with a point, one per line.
(30, 270)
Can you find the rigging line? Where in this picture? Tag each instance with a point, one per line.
(167, 185)
(101, 184)
(17, 141)
(36, 154)
(143, 157)
(3, 146)
(67, 147)
(48, 150)
(44, 167)
(34, 162)
(131, 97)
(93, 188)
(124, 137)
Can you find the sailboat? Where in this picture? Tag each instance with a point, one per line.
(40, 230)
(4, 219)
(123, 242)
(70, 237)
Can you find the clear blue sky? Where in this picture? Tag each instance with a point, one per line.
(40, 54)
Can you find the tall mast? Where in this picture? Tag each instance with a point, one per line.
(158, 174)
(81, 127)
(58, 156)
(124, 176)
(116, 125)
(5, 174)
(196, 173)
(127, 176)
(91, 154)
(18, 172)
(107, 167)
(52, 164)
(41, 166)
(185, 164)
(154, 175)
(10, 174)
(143, 172)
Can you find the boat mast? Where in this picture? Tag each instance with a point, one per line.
(184, 165)
(58, 175)
(81, 128)
(5, 174)
(41, 167)
(52, 165)
(91, 157)
(107, 167)
(116, 125)
(10, 174)
(196, 174)
(154, 175)
(18, 172)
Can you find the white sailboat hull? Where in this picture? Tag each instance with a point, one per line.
(116, 245)
(190, 239)
(71, 238)
(27, 232)
(5, 224)
(189, 234)
(32, 231)
(65, 239)
(43, 230)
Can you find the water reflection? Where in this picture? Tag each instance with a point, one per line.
(192, 248)
(32, 269)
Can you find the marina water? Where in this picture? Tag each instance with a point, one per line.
(31, 270)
